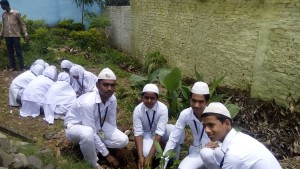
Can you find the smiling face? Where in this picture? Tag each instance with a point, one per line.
(215, 129)
(149, 99)
(106, 88)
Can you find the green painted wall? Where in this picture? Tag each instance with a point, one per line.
(255, 42)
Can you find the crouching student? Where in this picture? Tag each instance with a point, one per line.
(238, 150)
(150, 123)
(191, 116)
(91, 121)
(58, 98)
(34, 93)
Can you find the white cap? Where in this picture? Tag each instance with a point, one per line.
(107, 74)
(151, 88)
(218, 108)
(200, 88)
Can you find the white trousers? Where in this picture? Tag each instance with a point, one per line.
(84, 135)
(30, 108)
(50, 110)
(148, 139)
(13, 94)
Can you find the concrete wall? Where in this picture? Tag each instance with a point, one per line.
(255, 42)
(120, 26)
(52, 11)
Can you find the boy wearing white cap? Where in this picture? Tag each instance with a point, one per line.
(150, 123)
(238, 150)
(192, 117)
(91, 121)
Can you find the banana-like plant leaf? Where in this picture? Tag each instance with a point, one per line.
(198, 75)
(170, 80)
(233, 109)
(215, 84)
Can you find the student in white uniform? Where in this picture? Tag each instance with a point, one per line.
(58, 98)
(66, 66)
(33, 94)
(85, 80)
(192, 117)
(18, 85)
(240, 151)
(91, 121)
(150, 123)
(40, 62)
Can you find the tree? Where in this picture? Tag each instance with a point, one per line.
(84, 3)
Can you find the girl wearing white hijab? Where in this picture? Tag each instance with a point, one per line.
(20, 82)
(58, 98)
(85, 80)
(66, 65)
(35, 91)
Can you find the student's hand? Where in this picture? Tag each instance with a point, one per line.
(112, 160)
(148, 161)
(141, 163)
(212, 145)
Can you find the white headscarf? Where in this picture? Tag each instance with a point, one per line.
(86, 81)
(66, 64)
(37, 69)
(50, 72)
(39, 62)
(63, 76)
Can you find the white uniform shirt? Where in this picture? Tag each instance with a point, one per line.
(84, 111)
(187, 117)
(243, 151)
(141, 121)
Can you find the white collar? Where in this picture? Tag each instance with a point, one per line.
(229, 137)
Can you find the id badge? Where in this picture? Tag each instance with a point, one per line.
(101, 134)
(199, 148)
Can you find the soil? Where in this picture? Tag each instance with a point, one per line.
(274, 126)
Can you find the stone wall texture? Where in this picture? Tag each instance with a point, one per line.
(256, 43)
(120, 27)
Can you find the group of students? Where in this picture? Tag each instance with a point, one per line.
(91, 122)
(41, 90)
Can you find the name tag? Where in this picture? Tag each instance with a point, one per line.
(199, 148)
(101, 134)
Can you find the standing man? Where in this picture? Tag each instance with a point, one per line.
(238, 150)
(91, 121)
(150, 123)
(192, 117)
(12, 26)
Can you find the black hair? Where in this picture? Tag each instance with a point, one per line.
(219, 117)
(4, 2)
(154, 93)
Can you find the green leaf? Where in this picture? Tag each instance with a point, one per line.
(215, 84)
(233, 109)
(157, 146)
(217, 98)
(198, 75)
(171, 80)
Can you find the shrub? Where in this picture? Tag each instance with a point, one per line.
(66, 23)
(89, 40)
(33, 25)
(77, 27)
(59, 32)
(96, 21)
